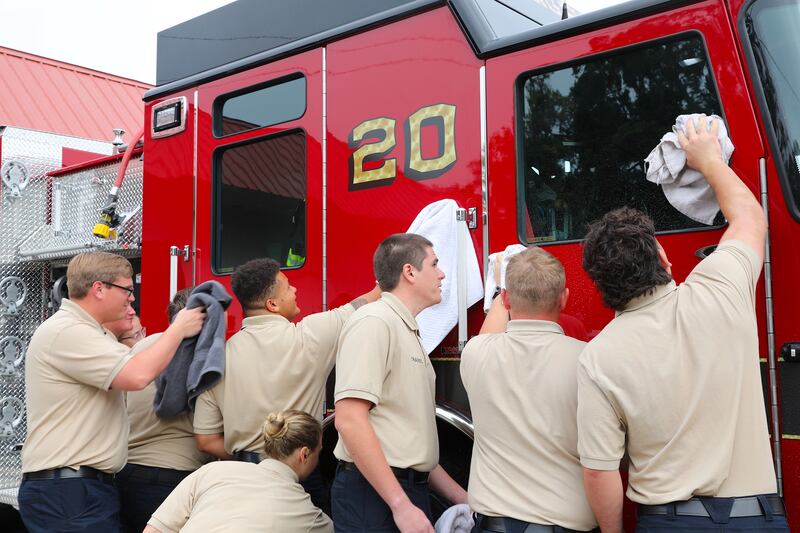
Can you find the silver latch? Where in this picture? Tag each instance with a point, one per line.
(186, 252)
(472, 218)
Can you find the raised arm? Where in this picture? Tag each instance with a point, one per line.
(147, 364)
(746, 220)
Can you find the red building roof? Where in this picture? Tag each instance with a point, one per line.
(47, 95)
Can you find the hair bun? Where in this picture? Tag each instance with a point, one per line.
(275, 426)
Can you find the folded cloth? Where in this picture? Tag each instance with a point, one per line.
(498, 262)
(456, 519)
(685, 188)
(199, 361)
(437, 222)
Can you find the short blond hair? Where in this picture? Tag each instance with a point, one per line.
(86, 268)
(289, 430)
(534, 281)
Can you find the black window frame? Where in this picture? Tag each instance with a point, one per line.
(792, 203)
(217, 118)
(216, 192)
(519, 114)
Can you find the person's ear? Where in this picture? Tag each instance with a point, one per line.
(408, 272)
(305, 452)
(564, 298)
(505, 299)
(271, 305)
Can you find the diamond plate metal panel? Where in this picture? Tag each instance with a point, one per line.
(21, 312)
(77, 199)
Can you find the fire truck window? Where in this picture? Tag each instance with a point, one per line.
(587, 128)
(772, 30)
(260, 202)
(263, 106)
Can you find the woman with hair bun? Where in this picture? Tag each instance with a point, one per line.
(246, 497)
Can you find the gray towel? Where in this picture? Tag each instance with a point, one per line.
(199, 361)
(685, 188)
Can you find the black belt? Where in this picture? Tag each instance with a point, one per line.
(497, 524)
(84, 472)
(409, 474)
(247, 457)
(742, 507)
(152, 474)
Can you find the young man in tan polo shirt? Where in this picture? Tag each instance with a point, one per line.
(388, 449)
(75, 372)
(521, 379)
(674, 380)
(270, 365)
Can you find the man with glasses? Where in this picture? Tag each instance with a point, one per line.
(75, 375)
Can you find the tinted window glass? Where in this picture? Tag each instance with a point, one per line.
(260, 202)
(772, 27)
(278, 102)
(587, 128)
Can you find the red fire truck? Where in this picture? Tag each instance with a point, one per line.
(308, 131)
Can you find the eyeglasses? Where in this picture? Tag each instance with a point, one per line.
(129, 290)
(137, 336)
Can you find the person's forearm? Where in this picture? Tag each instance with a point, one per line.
(367, 297)
(443, 485)
(146, 365)
(496, 319)
(604, 492)
(213, 445)
(150, 529)
(736, 200)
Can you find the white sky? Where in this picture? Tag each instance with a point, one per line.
(114, 37)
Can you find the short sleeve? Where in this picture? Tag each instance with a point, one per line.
(733, 266)
(174, 512)
(362, 363)
(322, 524)
(471, 358)
(321, 331)
(88, 356)
(601, 434)
(207, 412)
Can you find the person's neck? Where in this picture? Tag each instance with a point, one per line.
(259, 312)
(90, 307)
(552, 316)
(409, 299)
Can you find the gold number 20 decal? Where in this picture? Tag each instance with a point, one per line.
(439, 116)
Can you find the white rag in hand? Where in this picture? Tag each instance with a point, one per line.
(498, 259)
(685, 188)
(456, 519)
(437, 223)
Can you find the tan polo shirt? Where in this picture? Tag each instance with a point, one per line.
(159, 442)
(243, 497)
(73, 418)
(381, 360)
(523, 393)
(270, 365)
(677, 375)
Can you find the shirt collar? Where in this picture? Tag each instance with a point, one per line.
(68, 306)
(262, 320)
(283, 470)
(650, 296)
(534, 326)
(400, 308)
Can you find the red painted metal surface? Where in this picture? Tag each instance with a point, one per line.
(48, 95)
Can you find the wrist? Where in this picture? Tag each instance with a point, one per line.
(398, 502)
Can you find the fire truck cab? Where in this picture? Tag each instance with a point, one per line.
(308, 131)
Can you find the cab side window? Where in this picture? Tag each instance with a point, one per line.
(260, 202)
(586, 128)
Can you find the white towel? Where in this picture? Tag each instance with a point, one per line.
(685, 188)
(501, 259)
(456, 519)
(437, 222)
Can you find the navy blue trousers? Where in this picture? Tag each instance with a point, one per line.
(141, 490)
(61, 505)
(357, 508)
(719, 520)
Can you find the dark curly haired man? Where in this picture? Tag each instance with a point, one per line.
(673, 382)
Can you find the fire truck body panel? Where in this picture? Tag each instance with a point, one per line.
(392, 120)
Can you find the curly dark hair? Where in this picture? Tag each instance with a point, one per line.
(178, 302)
(253, 282)
(620, 254)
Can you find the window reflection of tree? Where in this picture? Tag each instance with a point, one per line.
(603, 118)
